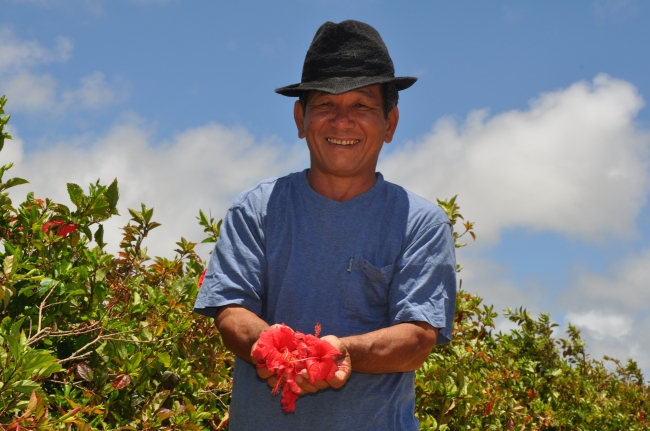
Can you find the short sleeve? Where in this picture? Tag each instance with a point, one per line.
(423, 286)
(237, 270)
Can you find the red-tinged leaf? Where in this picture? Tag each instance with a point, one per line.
(164, 414)
(85, 372)
(488, 408)
(121, 381)
(224, 421)
(67, 229)
(532, 393)
(82, 426)
(51, 224)
(511, 424)
(202, 277)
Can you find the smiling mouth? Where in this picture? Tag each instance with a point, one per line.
(342, 142)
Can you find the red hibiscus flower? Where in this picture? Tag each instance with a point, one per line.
(286, 353)
(201, 277)
(320, 359)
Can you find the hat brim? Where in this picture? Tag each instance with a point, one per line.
(340, 85)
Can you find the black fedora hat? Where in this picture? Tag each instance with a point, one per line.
(344, 57)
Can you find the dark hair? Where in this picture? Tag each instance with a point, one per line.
(389, 93)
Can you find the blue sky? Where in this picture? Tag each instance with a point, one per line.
(533, 112)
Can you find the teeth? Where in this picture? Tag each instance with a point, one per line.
(339, 142)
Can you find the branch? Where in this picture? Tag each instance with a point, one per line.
(42, 306)
(47, 331)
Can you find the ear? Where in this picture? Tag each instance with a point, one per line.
(391, 124)
(299, 117)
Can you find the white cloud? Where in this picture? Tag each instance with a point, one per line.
(93, 93)
(624, 288)
(18, 55)
(603, 339)
(201, 168)
(33, 92)
(573, 163)
(29, 92)
(601, 324)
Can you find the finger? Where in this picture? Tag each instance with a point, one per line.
(304, 385)
(318, 384)
(321, 384)
(264, 373)
(272, 381)
(341, 376)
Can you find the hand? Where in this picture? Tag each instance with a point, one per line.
(264, 372)
(302, 380)
(341, 376)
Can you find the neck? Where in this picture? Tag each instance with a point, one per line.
(340, 189)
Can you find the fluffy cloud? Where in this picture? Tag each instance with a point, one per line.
(624, 288)
(573, 163)
(17, 54)
(34, 92)
(600, 324)
(612, 308)
(202, 168)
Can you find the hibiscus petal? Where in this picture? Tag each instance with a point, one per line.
(288, 400)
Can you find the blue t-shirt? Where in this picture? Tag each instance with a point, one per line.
(293, 256)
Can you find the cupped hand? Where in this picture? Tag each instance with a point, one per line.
(264, 372)
(339, 379)
(343, 361)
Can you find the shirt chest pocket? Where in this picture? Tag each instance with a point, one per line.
(366, 293)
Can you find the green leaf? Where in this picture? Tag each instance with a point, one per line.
(40, 362)
(164, 359)
(25, 386)
(158, 399)
(99, 236)
(76, 194)
(15, 328)
(87, 232)
(13, 182)
(27, 291)
(14, 347)
(46, 285)
(10, 264)
(112, 195)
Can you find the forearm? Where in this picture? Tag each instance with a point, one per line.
(399, 348)
(239, 329)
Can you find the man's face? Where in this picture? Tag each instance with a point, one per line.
(345, 132)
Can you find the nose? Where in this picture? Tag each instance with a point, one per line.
(342, 119)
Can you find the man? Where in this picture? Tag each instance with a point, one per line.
(336, 244)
